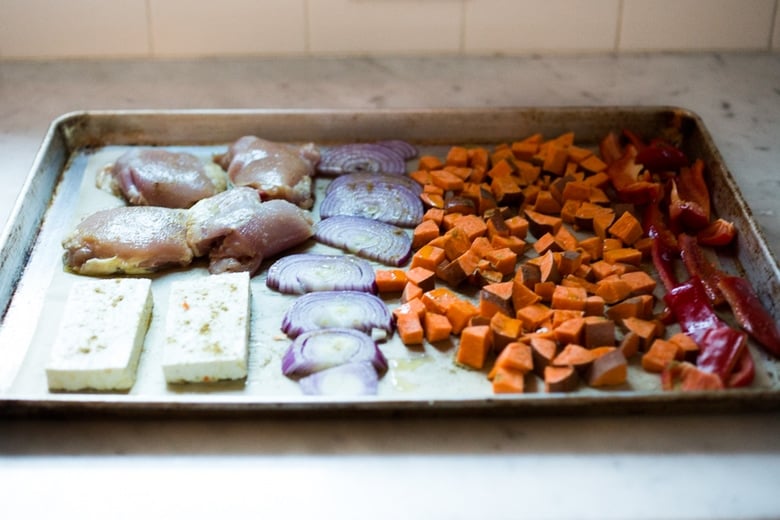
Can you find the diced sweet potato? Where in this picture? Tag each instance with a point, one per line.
(574, 355)
(496, 297)
(560, 379)
(598, 332)
(475, 343)
(608, 370)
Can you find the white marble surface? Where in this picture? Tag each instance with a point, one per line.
(700, 466)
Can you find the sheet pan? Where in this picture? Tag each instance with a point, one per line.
(60, 190)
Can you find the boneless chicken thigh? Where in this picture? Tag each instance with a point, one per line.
(159, 177)
(128, 239)
(275, 170)
(238, 231)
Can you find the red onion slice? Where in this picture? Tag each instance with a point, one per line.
(366, 238)
(406, 149)
(360, 157)
(327, 348)
(368, 178)
(393, 204)
(352, 379)
(309, 272)
(336, 309)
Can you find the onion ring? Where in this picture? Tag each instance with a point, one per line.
(354, 379)
(360, 157)
(337, 309)
(308, 272)
(393, 204)
(366, 238)
(406, 149)
(391, 179)
(327, 348)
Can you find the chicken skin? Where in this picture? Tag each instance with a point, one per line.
(275, 170)
(128, 239)
(158, 177)
(237, 231)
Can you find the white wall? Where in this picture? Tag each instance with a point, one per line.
(189, 28)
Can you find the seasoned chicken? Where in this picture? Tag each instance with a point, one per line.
(238, 231)
(275, 170)
(158, 177)
(128, 239)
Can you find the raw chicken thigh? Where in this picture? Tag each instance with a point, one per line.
(158, 177)
(128, 239)
(238, 231)
(275, 170)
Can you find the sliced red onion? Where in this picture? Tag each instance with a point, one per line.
(352, 379)
(406, 149)
(393, 204)
(327, 348)
(360, 157)
(309, 272)
(357, 310)
(391, 179)
(366, 238)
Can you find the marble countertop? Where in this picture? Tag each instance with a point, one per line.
(638, 466)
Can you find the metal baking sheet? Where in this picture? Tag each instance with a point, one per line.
(60, 190)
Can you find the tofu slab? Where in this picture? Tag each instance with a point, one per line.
(207, 329)
(101, 335)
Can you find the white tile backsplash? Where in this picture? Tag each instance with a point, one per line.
(521, 26)
(696, 24)
(384, 26)
(192, 28)
(73, 28)
(227, 27)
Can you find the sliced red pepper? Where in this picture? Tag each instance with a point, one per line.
(720, 346)
(750, 312)
(693, 185)
(684, 214)
(743, 372)
(685, 376)
(641, 192)
(636, 141)
(698, 265)
(689, 207)
(631, 186)
(718, 233)
(624, 171)
(664, 249)
(661, 156)
(610, 148)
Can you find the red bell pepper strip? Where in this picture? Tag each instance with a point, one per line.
(658, 155)
(664, 248)
(743, 372)
(750, 312)
(661, 156)
(693, 186)
(633, 138)
(689, 205)
(610, 148)
(721, 347)
(718, 233)
(685, 376)
(698, 265)
(685, 215)
(737, 291)
(624, 173)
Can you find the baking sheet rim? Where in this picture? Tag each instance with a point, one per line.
(85, 402)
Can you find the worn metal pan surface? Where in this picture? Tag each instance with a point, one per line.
(58, 191)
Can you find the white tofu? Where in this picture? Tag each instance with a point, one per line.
(207, 329)
(101, 335)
